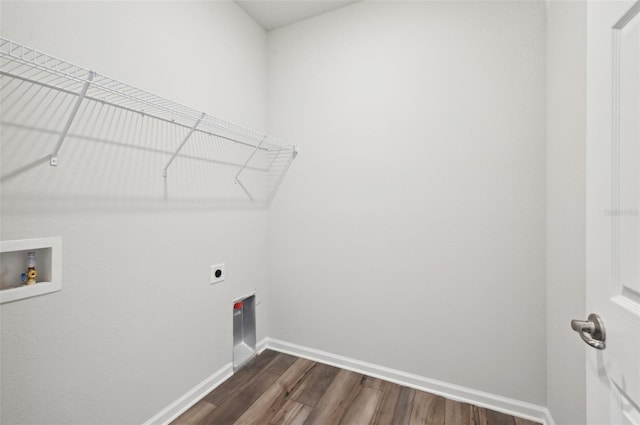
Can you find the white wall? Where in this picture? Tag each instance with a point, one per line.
(566, 127)
(411, 230)
(136, 324)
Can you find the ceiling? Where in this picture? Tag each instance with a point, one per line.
(272, 14)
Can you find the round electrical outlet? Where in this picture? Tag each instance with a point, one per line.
(217, 273)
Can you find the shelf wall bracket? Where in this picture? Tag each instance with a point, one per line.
(274, 159)
(53, 159)
(195, 126)
(282, 175)
(245, 166)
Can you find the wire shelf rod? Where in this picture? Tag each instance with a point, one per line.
(54, 93)
(99, 85)
(45, 70)
(106, 102)
(103, 102)
(29, 80)
(36, 78)
(135, 95)
(139, 148)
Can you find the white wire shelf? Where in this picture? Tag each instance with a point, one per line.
(44, 93)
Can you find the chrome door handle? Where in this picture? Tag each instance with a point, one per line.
(591, 331)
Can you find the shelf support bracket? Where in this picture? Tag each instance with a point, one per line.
(245, 166)
(195, 125)
(282, 174)
(53, 159)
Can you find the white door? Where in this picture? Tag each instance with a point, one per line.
(613, 209)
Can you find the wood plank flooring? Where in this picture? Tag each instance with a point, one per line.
(279, 389)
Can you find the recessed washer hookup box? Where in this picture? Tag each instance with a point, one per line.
(244, 330)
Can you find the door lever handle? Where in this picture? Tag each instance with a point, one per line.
(591, 331)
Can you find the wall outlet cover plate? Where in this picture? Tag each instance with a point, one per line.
(217, 273)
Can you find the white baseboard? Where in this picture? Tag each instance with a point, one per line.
(455, 392)
(262, 345)
(178, 407)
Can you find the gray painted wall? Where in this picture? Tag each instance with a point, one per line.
(566, 135)
(137, 324)
(411, 230)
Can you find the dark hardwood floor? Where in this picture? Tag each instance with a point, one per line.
(279, 389)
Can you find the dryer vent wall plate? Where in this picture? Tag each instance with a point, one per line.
(217, 273)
